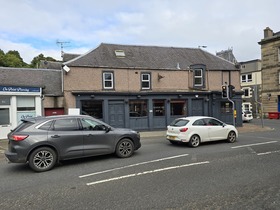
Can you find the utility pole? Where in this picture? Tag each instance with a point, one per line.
(259, 103)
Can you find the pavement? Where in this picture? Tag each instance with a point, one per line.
(247, 128)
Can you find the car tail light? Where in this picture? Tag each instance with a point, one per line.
(183, 129)
(18, 137)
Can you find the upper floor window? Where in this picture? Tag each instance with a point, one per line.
(247, 92)
(146, 81)
(108, 80)
(246, 78)
(198, 77)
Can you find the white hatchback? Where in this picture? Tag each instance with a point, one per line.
(247, 116)
(196, 129)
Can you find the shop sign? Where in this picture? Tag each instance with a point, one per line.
(19, 89)
(24, 115)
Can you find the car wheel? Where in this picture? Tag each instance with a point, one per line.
(194, 141)
(231, 137)
(125, 148)
(42, 159)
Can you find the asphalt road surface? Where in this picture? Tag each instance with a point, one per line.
(217, 175)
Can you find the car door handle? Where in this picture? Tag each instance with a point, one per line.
(90, 135)
(55, 136)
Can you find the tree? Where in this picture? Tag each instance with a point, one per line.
(11, 59)
(2, 57)
(36, 60)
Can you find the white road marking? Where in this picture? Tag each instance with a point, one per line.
(133, 165)
(249, 145)
(267, 153)
(145, 172)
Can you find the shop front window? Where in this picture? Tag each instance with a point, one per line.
(25, 107)
(92, 108)
(178, 107)
(5, 100)
(4, 116)
(158, 108)
(226, 107)
(138, 108)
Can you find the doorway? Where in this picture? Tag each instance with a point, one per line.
(5, 121)
(116, 114)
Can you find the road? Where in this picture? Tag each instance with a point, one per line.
(219, 175)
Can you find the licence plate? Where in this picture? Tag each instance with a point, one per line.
(172, 137)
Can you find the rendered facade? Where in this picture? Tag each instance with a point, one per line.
(251, 81)
(146, 87)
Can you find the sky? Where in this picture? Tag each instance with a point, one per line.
(32, 27)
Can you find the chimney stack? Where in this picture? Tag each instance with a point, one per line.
(268, 33)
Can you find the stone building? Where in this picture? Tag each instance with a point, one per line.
(270, 56)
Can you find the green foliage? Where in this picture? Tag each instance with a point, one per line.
(2, 57)
(36, 60)
(13, 59)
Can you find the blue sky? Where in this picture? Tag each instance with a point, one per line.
(34, 26)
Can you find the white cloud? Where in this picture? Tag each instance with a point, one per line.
(32, 27)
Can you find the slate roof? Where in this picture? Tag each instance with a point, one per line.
(48, 79)
(149, 57)
(69, 56)
(50, 65)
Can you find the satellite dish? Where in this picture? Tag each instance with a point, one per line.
(66, 68)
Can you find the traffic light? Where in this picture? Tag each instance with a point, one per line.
(224, 91)
(231, 91)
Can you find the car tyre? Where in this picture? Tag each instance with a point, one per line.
(194, 141)
(124, 148)
(42, 159)
(231, 137)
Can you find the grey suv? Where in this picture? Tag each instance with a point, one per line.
(43, 141)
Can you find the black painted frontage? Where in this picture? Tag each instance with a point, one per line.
(154, 111)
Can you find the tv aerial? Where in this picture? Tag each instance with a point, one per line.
(62, 45)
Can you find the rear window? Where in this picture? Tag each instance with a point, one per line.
(46, 126)
(23, 125)
(179, 122)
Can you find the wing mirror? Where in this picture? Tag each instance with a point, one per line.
(107, 129)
